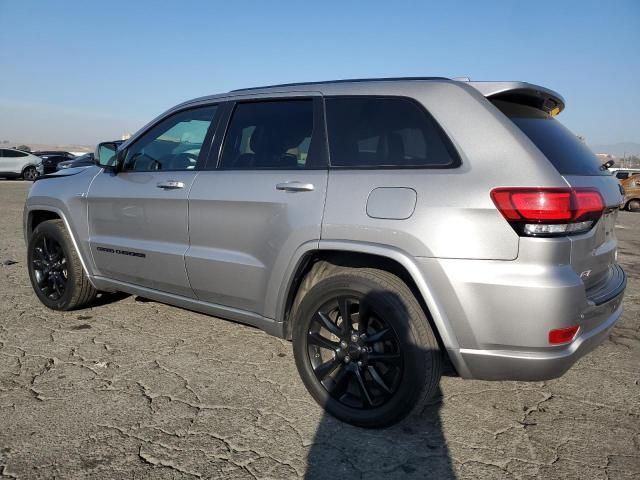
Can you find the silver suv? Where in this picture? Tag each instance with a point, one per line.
(389, 227)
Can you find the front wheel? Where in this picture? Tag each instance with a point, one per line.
(364, 347)
(633, 206)
(30, 174)
(55, 270)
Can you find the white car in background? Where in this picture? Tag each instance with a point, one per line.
(18, 164)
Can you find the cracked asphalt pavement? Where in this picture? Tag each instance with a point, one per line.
(137, 389)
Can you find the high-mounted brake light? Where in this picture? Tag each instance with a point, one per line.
(549, 211)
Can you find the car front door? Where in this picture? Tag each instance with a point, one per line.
(263, 201)
(138, 218)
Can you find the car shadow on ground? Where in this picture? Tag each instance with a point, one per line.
(414, 448)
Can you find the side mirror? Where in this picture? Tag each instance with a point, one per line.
(106, 155)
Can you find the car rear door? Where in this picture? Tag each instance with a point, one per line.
(138, 218)
(249, 214)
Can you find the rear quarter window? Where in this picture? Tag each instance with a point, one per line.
(562, 148)
(385, 132)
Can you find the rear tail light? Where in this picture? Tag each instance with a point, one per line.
(563, 335)
(547, 212)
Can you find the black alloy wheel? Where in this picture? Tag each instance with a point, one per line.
(363, 345)
(355, 354)
(50, 268)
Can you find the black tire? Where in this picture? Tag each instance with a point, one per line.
(406, 361)
(56, 273)
(30, 173)
(633, 205)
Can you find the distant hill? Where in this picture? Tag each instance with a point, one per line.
(618, 149)
(67, 147)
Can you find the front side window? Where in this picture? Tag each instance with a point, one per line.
(385, 132)
(269, 135)
(173, 144)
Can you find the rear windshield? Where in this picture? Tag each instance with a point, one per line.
(564, 150)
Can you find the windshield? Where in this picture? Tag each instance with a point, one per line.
(565, 151)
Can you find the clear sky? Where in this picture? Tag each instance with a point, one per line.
(84, 71)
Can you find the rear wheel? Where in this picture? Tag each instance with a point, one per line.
(30, 174)
(364, 347)
(633, 205)
(55, 270)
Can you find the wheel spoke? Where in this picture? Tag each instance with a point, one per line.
(340, 381)
(326, 368)
(328, 324)
(56, 287)
(344, 308)
(363, 389)
(392, 358)
(314, 338)
(37, 252)
(45, 249)
(378, 379)
(376, 337)
(363, 318)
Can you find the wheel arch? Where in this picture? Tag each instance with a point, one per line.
(367, 255)
(27, 166)
(628, 202)
(36, 214)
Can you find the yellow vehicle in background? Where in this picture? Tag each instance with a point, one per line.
(631, 188)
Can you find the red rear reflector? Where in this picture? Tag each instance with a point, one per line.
(563, 335)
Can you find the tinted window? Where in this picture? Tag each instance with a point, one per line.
(13, 154)
(172, 144)
(564, 150)
(622, 175)
(272, 135)
(385, 132)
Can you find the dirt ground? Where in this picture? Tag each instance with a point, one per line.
(137, 389)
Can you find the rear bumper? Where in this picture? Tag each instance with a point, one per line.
(537, 366)
(501, 313)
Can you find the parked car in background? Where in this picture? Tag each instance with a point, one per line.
(385, 226)
(631, 186)
(51, 159)
(624, 173)
(85, 160)
(18, 164)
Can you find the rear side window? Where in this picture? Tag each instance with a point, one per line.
(385, 132)
(270, 135)
(13, 154)
(564, 150)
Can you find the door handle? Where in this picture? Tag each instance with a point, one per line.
(170, 185)
(295, 187)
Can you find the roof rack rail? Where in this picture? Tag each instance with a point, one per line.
(349, 80)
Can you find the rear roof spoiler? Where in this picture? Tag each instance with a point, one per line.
(523, 93)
